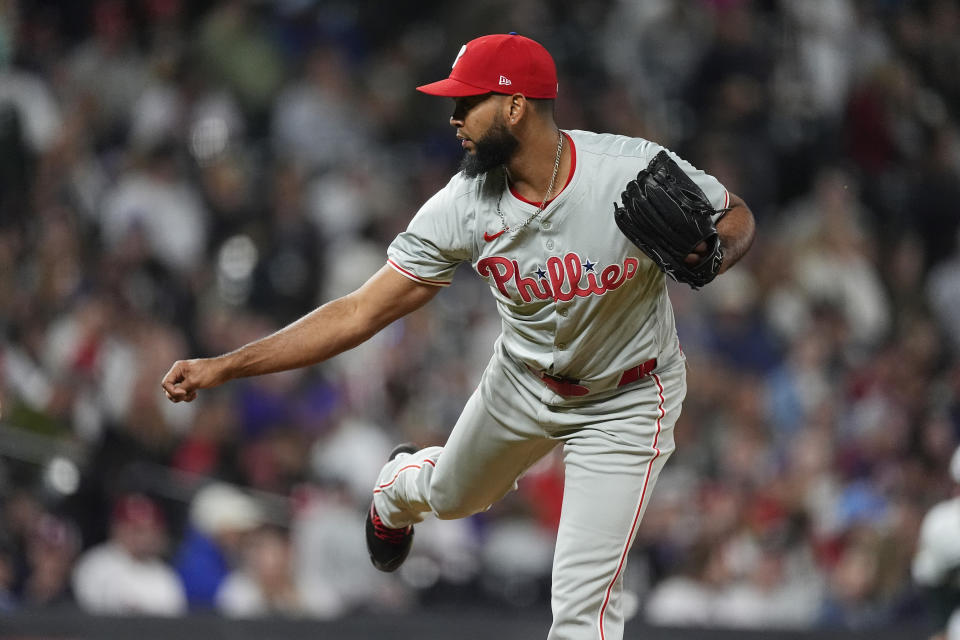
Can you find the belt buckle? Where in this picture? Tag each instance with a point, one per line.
(564, 386)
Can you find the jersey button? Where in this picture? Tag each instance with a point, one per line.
(548, 244)
(563, 313)
(546, 226)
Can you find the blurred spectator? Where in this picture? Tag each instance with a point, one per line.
(347, 454)
(825, 56)
(155, 208)
(934, 195)
(317, 121)
(943, 292)
(852, 601)
(8, 574)
(834, 262)
(236, 48)
(332, 572)
(35, 117)
(262, 583)
(738, 334)
(229, 189)
(665, 39)
(51, 550)
(221, 517)
(286, 280)
(728, 92)
(689, 597)
(22, 510)
(106, 73)
(769, 596)
(125, 575)
(799, 386)
(210, 447)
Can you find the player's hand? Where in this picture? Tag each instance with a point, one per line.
(699, 252)
(187, 376)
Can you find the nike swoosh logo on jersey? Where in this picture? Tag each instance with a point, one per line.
(490, 237)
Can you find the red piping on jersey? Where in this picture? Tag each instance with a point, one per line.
(573, 167)
(413, 276)
(401, 470)
(636, 516)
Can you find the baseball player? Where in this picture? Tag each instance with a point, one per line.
(936, 562)
(588, 358)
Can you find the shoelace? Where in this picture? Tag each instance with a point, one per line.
(385, 533)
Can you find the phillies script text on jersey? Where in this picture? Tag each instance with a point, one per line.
(563, 272)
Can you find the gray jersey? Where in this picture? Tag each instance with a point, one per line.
(576, 297)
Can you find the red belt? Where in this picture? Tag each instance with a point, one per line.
(564, 386)
(635, 373)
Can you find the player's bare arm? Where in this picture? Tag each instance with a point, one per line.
(321, 334)
(736, 229)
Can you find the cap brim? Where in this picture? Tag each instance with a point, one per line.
(452, 89)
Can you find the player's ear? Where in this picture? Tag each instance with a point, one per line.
(517, 106)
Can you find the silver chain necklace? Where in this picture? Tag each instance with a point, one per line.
(543, 204)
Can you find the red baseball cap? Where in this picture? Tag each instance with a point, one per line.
(137, 509)
(501, 63)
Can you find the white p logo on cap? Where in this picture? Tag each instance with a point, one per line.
(463, 50)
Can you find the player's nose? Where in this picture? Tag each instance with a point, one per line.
(459, 112)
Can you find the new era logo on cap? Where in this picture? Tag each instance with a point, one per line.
(500, 63)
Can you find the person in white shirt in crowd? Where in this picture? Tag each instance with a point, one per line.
(126, 575)
(263, 583)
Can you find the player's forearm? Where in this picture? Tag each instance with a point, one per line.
(736, 230)
(329, 330)
(321, 334)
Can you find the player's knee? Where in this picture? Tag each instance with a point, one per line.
(454, 513)
(450, 505)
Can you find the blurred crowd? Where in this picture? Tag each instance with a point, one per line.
(179, 178)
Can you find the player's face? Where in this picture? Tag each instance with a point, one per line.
(483, 132)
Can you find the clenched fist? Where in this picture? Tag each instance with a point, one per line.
(187, 376)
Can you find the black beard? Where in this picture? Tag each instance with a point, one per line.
(494, 149)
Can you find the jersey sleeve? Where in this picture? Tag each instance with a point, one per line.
(716, 193)
(435, 242)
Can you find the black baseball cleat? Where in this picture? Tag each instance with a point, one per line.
(388, 547)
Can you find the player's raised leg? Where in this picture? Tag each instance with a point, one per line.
(478, 465)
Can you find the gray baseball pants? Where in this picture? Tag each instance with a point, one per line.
(614, 446)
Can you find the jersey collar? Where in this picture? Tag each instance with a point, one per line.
(573, 168)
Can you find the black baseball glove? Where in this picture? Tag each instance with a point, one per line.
(667, 216)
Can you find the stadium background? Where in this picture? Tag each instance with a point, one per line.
(178, 178)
